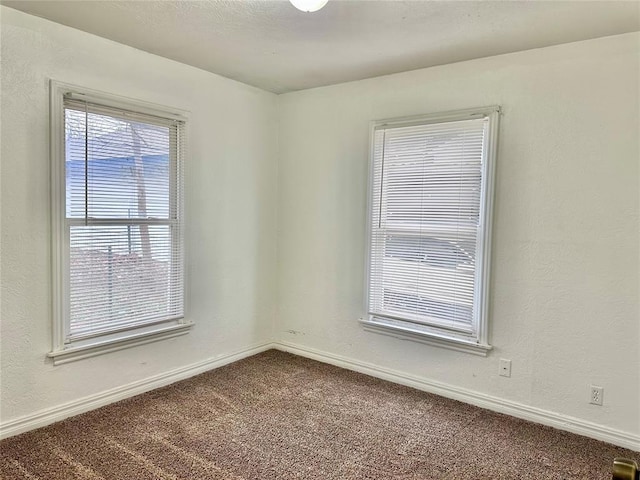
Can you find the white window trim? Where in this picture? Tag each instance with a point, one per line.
(62, 353)
(475, 344)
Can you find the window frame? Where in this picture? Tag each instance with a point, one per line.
(476, 342)
(63, 351)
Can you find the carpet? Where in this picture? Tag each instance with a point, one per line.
(279, 416)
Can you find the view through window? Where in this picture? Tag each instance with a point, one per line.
(121, 251)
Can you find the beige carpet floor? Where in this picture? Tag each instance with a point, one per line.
(278, 416)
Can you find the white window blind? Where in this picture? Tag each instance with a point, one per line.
(122, 222)
(427, 225)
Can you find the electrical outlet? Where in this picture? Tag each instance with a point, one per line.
(505, 367)
(596, 395)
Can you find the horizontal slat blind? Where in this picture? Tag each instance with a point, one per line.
(123, 222)
(425, 211)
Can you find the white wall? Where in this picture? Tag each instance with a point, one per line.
(564, 288)
(564, 301)
(231, 200)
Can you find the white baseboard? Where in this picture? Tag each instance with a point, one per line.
(47, 416)
(575, 425)
(533, 414)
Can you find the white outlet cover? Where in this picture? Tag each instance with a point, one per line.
(597, 394)
(505, 367)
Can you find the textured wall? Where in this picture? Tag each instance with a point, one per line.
(564, 285)
(564, 297)
(231, 214)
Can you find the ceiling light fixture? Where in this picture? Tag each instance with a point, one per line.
(309, 5)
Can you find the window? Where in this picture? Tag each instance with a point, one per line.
(117, 220)
(430, 219)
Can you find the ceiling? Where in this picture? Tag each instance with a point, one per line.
(273, 46)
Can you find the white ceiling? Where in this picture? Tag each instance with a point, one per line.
(273, 46)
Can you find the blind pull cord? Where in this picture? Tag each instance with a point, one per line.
(384, 143)
(86, 164)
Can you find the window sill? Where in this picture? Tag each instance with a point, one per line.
(72, 354)
(407, 333)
